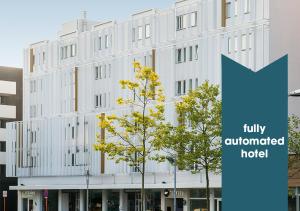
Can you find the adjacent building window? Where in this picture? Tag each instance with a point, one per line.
(236, 8)
(32, 112)
(147, 31)
(246, 6)
(33, 86)
(193, 19)
(2, 146)
(228, 9)
(229, 45)
(140, 33)
(184, 86)
(2, 170)
(244, 42)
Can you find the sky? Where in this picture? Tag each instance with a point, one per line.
(25, 22)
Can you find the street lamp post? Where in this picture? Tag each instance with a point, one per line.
(174, 163)
(87, 189)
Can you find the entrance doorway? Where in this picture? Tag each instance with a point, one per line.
(27, 204)
(218, 204)
(170, 204)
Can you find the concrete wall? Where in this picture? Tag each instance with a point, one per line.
(284, 38)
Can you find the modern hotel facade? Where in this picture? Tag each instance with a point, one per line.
(68, 81)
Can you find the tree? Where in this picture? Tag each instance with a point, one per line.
(196, 140)
(134, 139)
(294, 143)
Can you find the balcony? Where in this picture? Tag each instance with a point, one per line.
(7, 112)
(7, 88)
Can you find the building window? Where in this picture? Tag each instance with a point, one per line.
(73, 50)
(190, 84)
(104, 71)
(66, 52)
(100, 100)
(179, 22)
(96, 101)
(184, 54)
(61, 53)
(250, 40)
(44, 57)
(244, 42)
(99, 43)
(133, 35)
(236, 44)
(147, 31)
(229, 45)
(193, 19)
(184, 86)
(179, 55)
(246, 6)
(191, 53)
(2, 146)
(178, 88)
(106, 41)
(196, 83)
(140, 33)
(228, 9)
(100, 72)
(96, 72)
(196, 52)
(104, 100)
(236, 8)
(109, 70)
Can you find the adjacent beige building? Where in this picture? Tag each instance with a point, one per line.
(11, 93)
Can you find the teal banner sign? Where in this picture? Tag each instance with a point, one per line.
(254, 137)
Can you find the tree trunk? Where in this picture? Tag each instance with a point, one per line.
(207, 189)
(143, 196)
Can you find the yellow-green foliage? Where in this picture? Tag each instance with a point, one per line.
(135, 140)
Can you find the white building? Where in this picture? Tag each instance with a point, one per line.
(70, 80)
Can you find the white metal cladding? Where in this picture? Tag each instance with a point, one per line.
(49, 89)
(63, 146)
